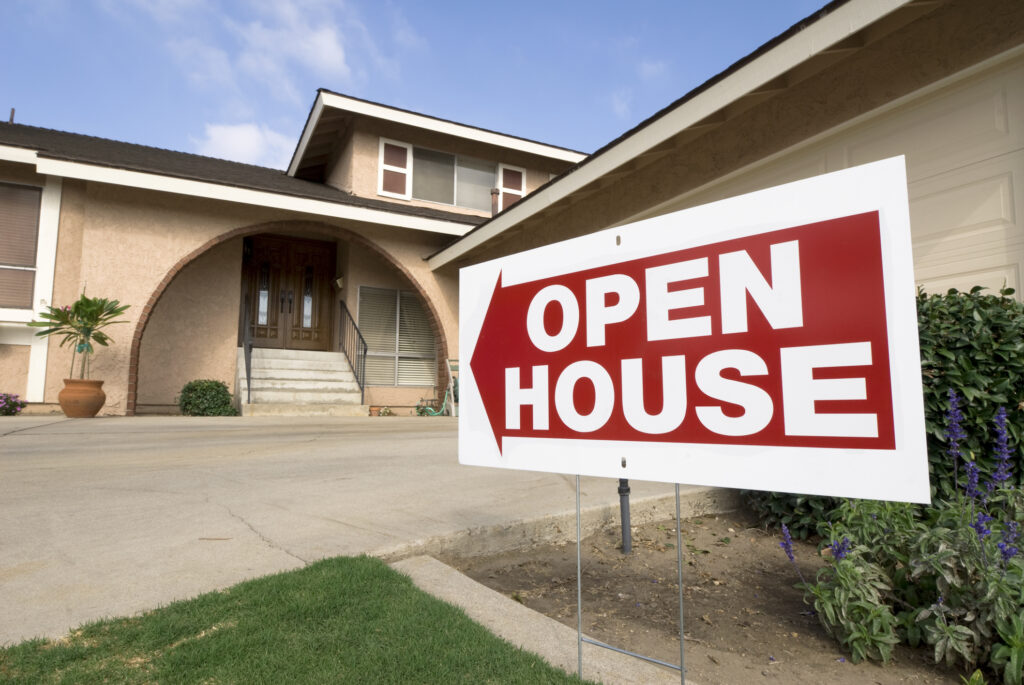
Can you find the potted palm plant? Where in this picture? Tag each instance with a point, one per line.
(81, 325)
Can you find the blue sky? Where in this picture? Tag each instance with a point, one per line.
(236, 79)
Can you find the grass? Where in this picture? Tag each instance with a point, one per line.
(342, 620)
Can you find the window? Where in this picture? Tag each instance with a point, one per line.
(512, 185)
(435, 176)
(19, 232)
(395, 160)
(400, 343)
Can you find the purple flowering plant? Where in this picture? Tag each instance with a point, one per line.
(11, 404)
(949, 575)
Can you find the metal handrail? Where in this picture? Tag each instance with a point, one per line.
(247, 349)
(351, 342)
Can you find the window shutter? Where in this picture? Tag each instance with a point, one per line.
(395, 169)
(377, 318)
(401, 349)
(19, 232)
(512, 184)
(417, 362)
(19, 224)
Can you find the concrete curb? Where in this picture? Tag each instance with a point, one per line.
(527, 629)
(555, 528)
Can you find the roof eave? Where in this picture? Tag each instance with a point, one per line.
(842, 21)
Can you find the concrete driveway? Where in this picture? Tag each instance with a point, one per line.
(111, 516)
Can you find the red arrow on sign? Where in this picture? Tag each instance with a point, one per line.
(773, 339)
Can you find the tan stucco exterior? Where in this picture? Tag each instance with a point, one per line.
(193, 330)
(14, 369)
(164, 252)
(354, 167)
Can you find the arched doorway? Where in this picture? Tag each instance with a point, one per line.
(307, 316)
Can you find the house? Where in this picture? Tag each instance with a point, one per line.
(203, 249)
(189, 240)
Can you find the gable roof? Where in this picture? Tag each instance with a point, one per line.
(79, 150)
(331, 108)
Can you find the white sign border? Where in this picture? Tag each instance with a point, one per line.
(900, 474)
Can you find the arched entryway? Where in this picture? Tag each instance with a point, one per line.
(301, 299)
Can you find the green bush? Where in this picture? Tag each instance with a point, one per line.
(206, 398)
(971, 343)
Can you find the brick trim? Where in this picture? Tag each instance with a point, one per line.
(308, 227)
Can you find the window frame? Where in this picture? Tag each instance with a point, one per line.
(410, 169)
(407, 170)
(502, 190)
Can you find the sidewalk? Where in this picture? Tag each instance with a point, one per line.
(111, 516)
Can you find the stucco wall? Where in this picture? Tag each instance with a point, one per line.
(14, 369)
(193, 330)
(126, 244)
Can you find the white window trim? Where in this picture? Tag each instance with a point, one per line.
(12, 328)
(501, 184)
(382, 167)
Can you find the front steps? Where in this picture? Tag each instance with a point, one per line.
(299, 383)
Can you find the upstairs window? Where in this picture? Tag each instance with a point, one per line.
(19, 233)
(408, 172)
(512, 186)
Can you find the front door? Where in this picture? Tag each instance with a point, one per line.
(288, 284)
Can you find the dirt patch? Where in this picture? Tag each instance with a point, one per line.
(745, 621)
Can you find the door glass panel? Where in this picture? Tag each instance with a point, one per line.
(307, 298)
(264, 295)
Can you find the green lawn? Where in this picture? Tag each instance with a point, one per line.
(343, 620)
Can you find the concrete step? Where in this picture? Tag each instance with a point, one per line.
(327, 375)
(287, 396)
(277, 409)
(300, 385)
(265, 353)
(308, 364)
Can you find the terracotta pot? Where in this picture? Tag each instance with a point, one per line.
(81, 398)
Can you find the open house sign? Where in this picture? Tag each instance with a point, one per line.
(767, 341)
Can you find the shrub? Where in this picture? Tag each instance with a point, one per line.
(949, 575)
(10, 405)
(206, 398)
(971, 343)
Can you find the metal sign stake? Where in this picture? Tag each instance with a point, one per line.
(579, 598)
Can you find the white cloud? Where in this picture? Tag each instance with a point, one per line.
(650, 69)
(248, 143)
(622, 101)
(291, 34)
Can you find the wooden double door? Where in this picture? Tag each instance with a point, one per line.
(288, 284)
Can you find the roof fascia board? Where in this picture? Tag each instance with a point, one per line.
(17, 154)
(448, 127)
(307, 133)
(214, 191)
(845, 21)
(935, 86)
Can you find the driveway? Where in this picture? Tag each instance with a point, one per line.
(111, 516)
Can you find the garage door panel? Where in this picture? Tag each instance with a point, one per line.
(992, 278)
(953, 127)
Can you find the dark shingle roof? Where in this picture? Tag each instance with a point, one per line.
(75, 147)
